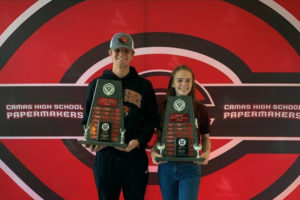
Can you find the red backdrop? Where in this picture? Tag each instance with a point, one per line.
(242, 52)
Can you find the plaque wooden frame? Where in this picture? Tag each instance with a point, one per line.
(179, 129)
(105, 124)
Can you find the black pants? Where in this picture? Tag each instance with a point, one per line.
(112, 173)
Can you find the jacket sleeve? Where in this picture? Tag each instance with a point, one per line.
(150, 117)
(88, 103)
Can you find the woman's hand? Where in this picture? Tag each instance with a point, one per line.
(154, 155)
(205, 157)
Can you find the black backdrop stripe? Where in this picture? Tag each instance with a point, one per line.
(23, 173)
(246, 147)
(281, 184)
(32, 24)
(182, 41)
(160, 39)
(271, 17)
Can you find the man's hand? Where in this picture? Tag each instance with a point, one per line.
(93, 148)
(131, 145)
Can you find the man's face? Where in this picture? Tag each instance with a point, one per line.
(121, 57)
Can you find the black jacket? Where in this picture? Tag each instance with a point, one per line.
(142, 116)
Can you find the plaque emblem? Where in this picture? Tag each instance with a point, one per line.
(182, 142)
(105, 126)
(179, 105)
(108, 89)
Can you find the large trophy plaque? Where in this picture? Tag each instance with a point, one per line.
(179, 140)
(105, 125)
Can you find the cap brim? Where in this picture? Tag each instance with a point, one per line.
(126, 47)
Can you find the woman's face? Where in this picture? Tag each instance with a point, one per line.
(183, 81)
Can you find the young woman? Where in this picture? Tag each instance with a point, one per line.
(181, 180)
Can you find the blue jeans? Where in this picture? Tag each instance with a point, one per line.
(179, 180)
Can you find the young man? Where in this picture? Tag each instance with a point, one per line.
(126, 169)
